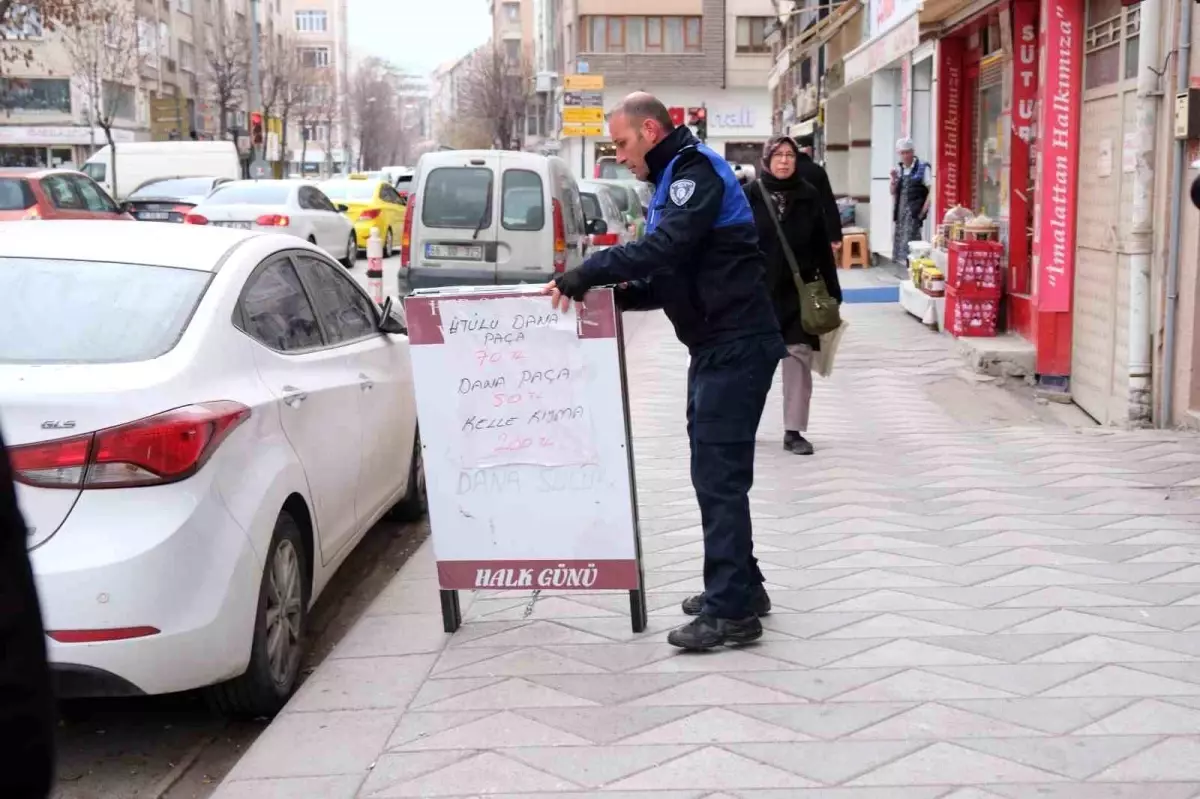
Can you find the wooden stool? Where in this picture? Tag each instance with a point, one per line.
(855, 251)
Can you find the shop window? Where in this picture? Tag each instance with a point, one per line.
(47, 95)
(989, 138)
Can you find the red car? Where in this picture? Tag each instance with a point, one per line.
(54, 194)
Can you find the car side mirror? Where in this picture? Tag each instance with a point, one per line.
(342, 208)
(391, 320)
(597, 227)
(1196, 192)
(404, 198)
(127, 208)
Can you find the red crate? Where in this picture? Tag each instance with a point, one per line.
(969, 316)
(976, 268)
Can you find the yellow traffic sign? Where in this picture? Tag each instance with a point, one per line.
(570, 129)
(583, 115)
(583, 83)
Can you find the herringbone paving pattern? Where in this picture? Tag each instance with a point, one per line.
(962, 611)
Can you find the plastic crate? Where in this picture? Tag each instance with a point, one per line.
(970, 316)
(976, 268)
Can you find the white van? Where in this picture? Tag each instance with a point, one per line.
(487, 217)
(138, 162)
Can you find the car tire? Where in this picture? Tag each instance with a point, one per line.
(415, 502)
(388, 246)
(274, 667)
(351, 252)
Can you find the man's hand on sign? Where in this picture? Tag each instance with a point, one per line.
(571, 285)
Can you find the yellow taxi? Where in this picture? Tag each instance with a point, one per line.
(370, 203)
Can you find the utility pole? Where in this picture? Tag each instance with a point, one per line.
(255, 82)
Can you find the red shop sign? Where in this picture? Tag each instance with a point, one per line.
(950, 134)
(1058, 147)
(1024, 127)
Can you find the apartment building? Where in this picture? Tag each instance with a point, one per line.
(46, 120)
(319, 29)
(689, 53)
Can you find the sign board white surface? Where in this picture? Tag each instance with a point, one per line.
(525, 439)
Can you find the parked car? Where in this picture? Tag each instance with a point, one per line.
(403, 185)
(605, 223)
(203, 424)
(485, 217)
(629, 201)
(169, 199)
(27, 194)
(138, 162)
(607, 168)
(370, 204)
(280, 206)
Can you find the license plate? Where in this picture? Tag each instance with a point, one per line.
(238, 225)
(153, 215)
(459, 252)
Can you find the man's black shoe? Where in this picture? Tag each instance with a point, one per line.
(709, 632)
(796, 443)
(761, 604)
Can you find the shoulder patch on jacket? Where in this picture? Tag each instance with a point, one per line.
(681, 191)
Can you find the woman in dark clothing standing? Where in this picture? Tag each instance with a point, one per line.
(797, 205)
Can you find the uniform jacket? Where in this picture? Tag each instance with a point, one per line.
(699, 260)
(815, 174)
(26, 704)
(804, 225)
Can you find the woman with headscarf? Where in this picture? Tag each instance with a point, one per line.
(912, 190)
(782, 196)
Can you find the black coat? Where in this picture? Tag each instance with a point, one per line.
(804, 226)
(815, 175)
(26, 703)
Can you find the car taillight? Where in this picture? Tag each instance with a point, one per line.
(370, 213)
(194, 219)
(406, 236)
(560, 239)
(272, 220)
(596, 170)
(159, 449)
(604, 239)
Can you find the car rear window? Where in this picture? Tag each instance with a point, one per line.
(174, 188)
(350, 190)
(96, 171)
(522, 206)
(54, 311)
(15, 195)
(611, 170)
(457, 197)
(249, 194)
(591, 206)
(621, 198)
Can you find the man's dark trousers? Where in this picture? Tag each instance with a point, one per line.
(727, 389)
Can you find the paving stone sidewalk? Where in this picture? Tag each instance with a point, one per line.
(961, 612)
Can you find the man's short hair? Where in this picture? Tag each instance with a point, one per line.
(641, 106)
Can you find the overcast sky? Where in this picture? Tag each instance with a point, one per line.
(417, 35)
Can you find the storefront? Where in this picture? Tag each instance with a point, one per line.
(739, 123)
(52, 145)
(1000, 82)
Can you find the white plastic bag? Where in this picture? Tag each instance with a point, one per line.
(824, 357)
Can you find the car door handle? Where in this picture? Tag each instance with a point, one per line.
(294, 396)
(367, 383)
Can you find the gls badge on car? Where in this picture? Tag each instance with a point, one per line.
(57, 425)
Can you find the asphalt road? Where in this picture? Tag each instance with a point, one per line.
(173, 747)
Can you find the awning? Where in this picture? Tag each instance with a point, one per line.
(812, 38)
(883, 50)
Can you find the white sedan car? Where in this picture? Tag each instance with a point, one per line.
(203, 423)
(280, 206)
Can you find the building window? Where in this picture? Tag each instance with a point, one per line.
(312, 21)
(312, 57)
(752, 34)
(46, 95)
(636, 34)
(184, 5)
(164, 40)
(187, 57)
(512, 51)
(512, 12)
(1111, 37)
(119, 101)
(23, 22)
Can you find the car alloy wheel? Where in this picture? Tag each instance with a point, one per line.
(285, 600)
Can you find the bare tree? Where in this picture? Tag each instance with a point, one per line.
(496, 88)
(462, 133)
(23, 20)
(316, 104)
(376, 112)
(281, 82)
(103, 56)
(227, 68)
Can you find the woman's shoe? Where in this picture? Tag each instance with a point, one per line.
(795, 443)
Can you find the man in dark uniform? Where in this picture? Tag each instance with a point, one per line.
(26, 704)
(699, 261)
(815, 174)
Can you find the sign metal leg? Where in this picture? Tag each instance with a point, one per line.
(637, 609)
(451, 611)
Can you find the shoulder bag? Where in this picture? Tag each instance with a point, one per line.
(819, 312)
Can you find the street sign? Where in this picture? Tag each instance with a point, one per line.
(583, 83)
(584, 99)
(574, 129)
(582, 67)
(260, 169)
(583, 115)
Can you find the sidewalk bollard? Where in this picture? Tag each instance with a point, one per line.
(375, 266)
